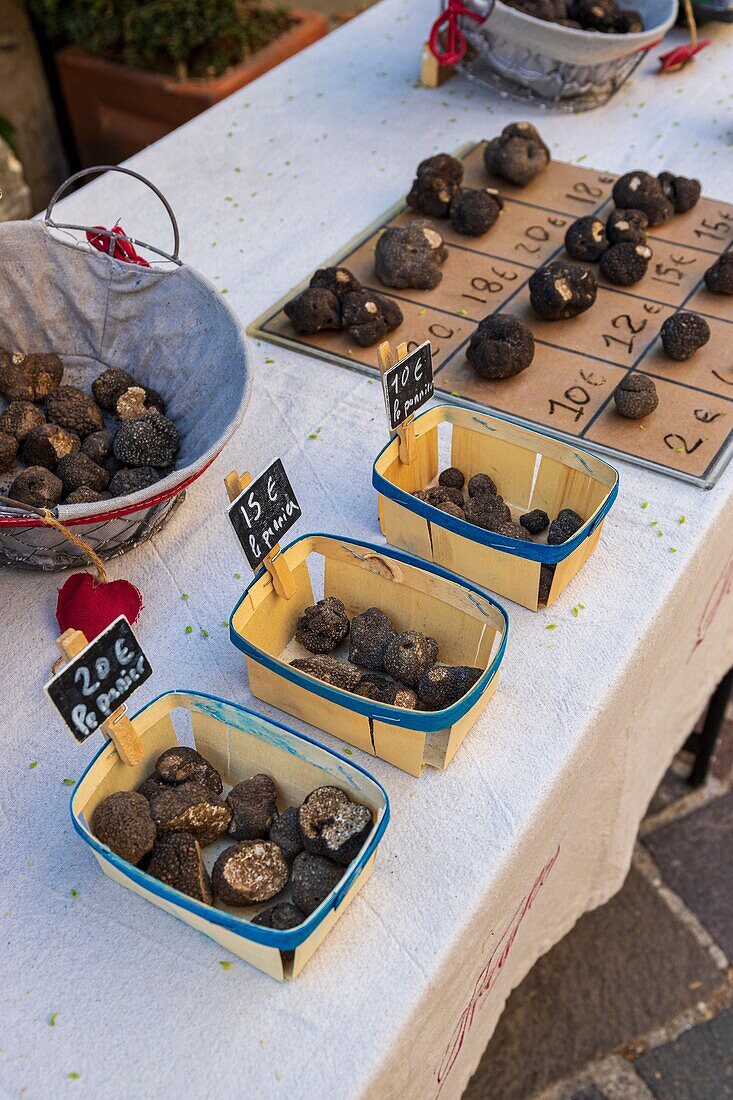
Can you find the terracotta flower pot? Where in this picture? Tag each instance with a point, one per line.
(116, 111)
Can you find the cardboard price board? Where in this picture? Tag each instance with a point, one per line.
(263, 512)
(408, 385)
(568, 389)
(95, 683)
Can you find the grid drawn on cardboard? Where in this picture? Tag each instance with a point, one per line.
(568, 389)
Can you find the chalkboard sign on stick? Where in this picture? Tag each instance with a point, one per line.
(99, 677)
(407, 385)
(261, 512)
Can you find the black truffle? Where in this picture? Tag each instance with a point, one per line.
(683, 334)
(452, 478)
(338, 674)
(437, 182)
(253, 803)
(474, 212)
(559, 290)
(451, 509)
(547, 574)
(127, 481)
(37, 486)
(719, 277)
(150, 440)
(71, 408)
(177, 861)
(85, 495)
(369, 317)
(518, 155)
(122, 821)
(314, 877)
(136, 401)
(46, 444)
(248, 872)
(190, 808)
(29, 377)
(285, 832)
(408, 656)
(76, 469)
(371, 633)
(488, 512)
(281, 917)
(564, 526)
(443, 685)
(627, 21)
(440, 494)
(513, 530)
(640, 191)
(382, 689)
(595, 15)
(411, 256)
(322, 628)
(182, 764)
(586, 238)
(635, 396)
(20, 418)
(98, 446)
(481, 485)
(501, 347)
(334, 826)
(314, 310)
(8, 450)
(627, 226)
(339, 280)
(626, 263)
(108, 386)
(535, 521)
(683, 193)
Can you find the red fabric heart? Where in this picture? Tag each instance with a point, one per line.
(680, 55)
(85, 604)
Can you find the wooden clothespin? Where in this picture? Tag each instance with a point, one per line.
(118, 727)
(433, 73)
(406, 431)
(274, 562)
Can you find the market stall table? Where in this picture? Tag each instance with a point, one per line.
(484, 866)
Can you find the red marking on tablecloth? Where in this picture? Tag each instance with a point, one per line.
(722, 588)
(485, 980)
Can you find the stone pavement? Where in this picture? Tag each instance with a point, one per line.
(636, 1003)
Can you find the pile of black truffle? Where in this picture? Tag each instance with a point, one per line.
(181, 809)
(485, 507)
(604, 16)
(71, 456)
(336, 300)
(400, 670)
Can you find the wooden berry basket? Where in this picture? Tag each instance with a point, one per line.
(469, 627)
(238, 743)
(531, 469)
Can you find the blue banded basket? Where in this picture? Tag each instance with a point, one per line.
(468, 625)
(531, 470)
(239, 743)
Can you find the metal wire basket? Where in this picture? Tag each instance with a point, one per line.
(556, 67)
(169, 328)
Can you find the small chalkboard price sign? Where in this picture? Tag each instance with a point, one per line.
(97, 680)
(408, 385)
(261, 512)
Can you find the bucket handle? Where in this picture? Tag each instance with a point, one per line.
(114, 237)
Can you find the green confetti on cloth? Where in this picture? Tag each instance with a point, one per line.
(52, 1019)
(33, 764)
(69, 782)
(189, 630)
(225, 964)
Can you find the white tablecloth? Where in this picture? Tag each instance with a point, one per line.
(484, 866)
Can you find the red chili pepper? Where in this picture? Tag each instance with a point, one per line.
(455, 40)
(122, 250)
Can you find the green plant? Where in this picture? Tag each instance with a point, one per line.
(199, 38)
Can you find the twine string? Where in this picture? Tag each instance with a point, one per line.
(51, 521)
